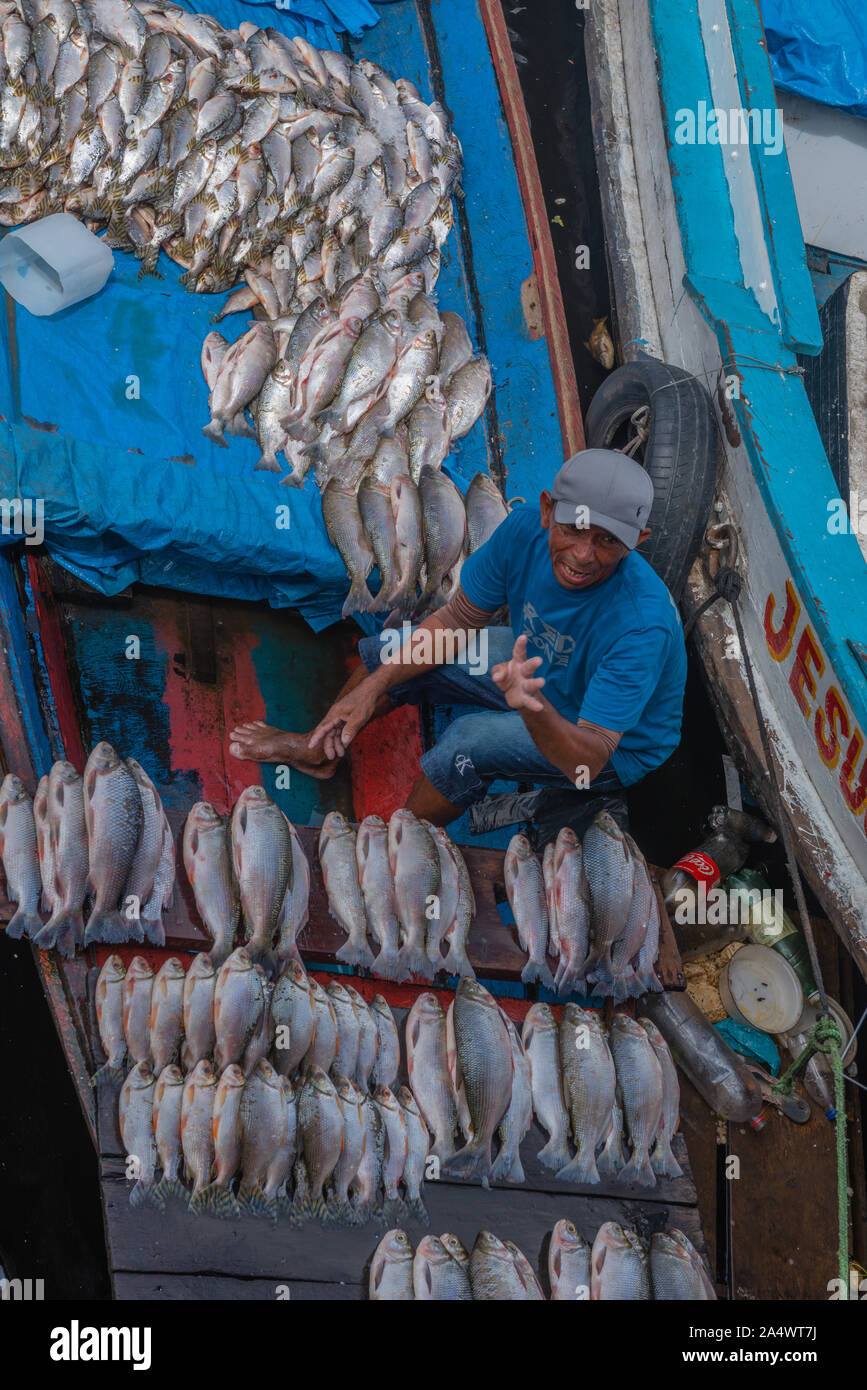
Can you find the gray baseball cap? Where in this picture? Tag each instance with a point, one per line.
(617, 492)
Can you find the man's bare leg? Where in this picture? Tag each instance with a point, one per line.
(262, 743)
(429, 804)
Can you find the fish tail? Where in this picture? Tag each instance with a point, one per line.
(143, 1194)
(537, 970)
(582, 1169)
(507, 1167)
(352, 953)
(65, 930)
(554, 1154)
(200, 1202)
(414, 961)
(257, 1203)
(267, 462)
(107, 1073)
(359, 599)
(470, 1162)
(638, 1171)
(221, 1201)
(621, 987)
(418, 1211)
(214, 431)
(111, 928)
(457, 963)
(663, 1161)
(648, 980)
(387, 966)
(607, 1165)
(24, 924)
(316, 1209)
(154, 930)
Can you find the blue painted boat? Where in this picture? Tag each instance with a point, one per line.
(710, 273)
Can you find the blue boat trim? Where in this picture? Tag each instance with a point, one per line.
(779, 429)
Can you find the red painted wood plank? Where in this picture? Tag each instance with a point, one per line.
(54, 652)
(553, 313)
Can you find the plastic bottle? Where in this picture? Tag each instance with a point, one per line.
(717, 1073)
(768, 924)
(687, 883)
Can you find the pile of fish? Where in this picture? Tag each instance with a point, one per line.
(284, 1088)
(316, 188)
(469, 1070)
(616, 1267)
(105, 835)
(415, 531)
(591, 904)
(250, 865)
(406, 884)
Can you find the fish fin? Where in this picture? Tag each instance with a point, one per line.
(350, 954)
(145, 1194)
(214, 431)
(648, 980)
(418, 1211)
(24, 924)
(455, 962)
(107, 1072)
(638, 1171)
(414, 960)
(221, 1201)
(65, 930)
(607, 1166)
(470, 1162)
(111, 928)
(359, 599)
(663, 1161)
(154, 930)
(268, 462)
(581, 1169)
(507, 1167)
(554, 1155)
(537, 970)
(387, 966)
(200, 1202)
(625, 986)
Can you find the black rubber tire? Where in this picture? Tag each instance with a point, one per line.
(680, 455)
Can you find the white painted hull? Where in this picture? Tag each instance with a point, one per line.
(655, 313)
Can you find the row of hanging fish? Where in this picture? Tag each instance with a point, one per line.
(415, 532)
(103, 835)
(248, 867)
(235, 1015)
(407, 885)
(617, 1266)
(471, 1071)
(591, 905)
(231, 1142)
(319, 1119)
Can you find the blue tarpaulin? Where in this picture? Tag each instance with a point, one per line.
(818, 49)
(102, 410)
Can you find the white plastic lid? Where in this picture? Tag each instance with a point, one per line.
(759, 987)
(53, 263)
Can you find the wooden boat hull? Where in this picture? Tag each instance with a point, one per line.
(709, 274)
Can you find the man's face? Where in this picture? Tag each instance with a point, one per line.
(581, 556)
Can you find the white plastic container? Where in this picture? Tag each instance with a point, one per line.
(759, 987)
(53, 263)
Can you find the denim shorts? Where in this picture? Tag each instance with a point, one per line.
(480, 748)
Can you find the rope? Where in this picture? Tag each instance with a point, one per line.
(824, 1036)
(640, 421)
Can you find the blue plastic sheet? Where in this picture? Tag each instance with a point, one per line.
(817, 49)
(101, 409)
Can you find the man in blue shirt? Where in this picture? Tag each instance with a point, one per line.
(586, 688)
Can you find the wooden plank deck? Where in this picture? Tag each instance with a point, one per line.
(177, 1255)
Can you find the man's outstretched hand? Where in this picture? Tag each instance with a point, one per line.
(516, 680)
(346, 718)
